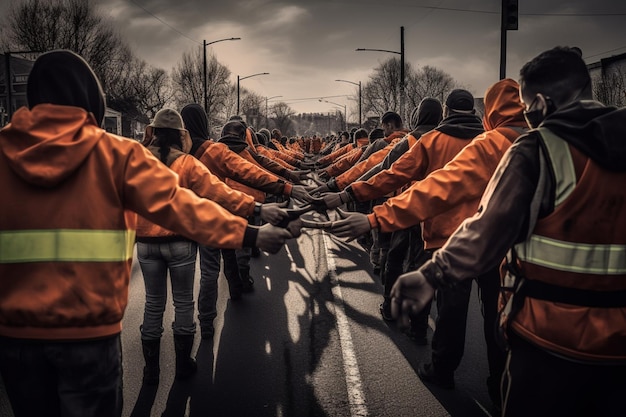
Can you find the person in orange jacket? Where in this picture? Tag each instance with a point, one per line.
(233, 135)
(67, 238)
(553, 210)
(457, 189)
(235, 172)
(160, 251)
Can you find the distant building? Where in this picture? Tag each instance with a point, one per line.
(15, 97)
(608, 80)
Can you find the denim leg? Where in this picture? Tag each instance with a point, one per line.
(182, 265)
(154, 269)
(209, 273)
(72, 379)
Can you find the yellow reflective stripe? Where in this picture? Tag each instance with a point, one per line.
(562, 163)
(66, 245)
(573, 257)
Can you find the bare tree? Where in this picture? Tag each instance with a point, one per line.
(382, 92)
(610, 86)
(39, 25)
(187, 79)
(282, 118)
(188, 83)
(429, 82)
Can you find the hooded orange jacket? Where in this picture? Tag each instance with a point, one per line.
(239, 173)
(374, 159)
(66, 235)
(344, 163)
(194, 175)
(460, 183)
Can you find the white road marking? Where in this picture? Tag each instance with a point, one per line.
(356, 398)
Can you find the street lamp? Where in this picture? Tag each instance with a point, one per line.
(345, 114)
(266, 110)
(205, 44)
(243, 78)
(360, 101)
(401, 53)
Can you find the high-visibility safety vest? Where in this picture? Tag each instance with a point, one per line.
(66, 245)
(574, 263)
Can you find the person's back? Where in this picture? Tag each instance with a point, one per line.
(565, 276)
(67, 240)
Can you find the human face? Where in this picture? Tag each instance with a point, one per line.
(539, 108)
(388, 128)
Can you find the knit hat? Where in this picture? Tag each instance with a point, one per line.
(460, 99)
(169, 119)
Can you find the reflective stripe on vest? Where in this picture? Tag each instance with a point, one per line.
(562, 162)
(603, 259)
(573, 257)
(66, 245)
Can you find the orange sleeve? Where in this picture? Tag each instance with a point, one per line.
(344, 163)
(233, 166)
(411, 166)
(152, 191)
(334, 155)
(460, 181)
(362, 167)
(200, 180)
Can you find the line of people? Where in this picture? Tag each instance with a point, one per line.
(530, 204)
(527, 201)
(80, 197)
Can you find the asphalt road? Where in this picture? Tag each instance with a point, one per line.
(308, 342)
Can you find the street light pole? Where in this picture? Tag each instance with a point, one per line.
(239, 79)
(345, 114)
(360, 99)
(266, 110)
(401, 53)
(204, 45)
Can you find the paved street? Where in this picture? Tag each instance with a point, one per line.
(308, 342)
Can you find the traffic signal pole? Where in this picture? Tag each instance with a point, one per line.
(509, 21)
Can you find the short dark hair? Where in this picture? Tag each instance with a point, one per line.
(234, 128)
(557, 73)
(391, 117)
(376, 133)
(360, 133)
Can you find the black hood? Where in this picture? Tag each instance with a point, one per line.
(461, 125)
(196, 123)
(234, 143)
(596, 130)
(429, 112)
(64, 78)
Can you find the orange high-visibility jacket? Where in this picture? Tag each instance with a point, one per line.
(239, 173)
(462, 181)
(194, 175)
(66, 229)
(351, 175)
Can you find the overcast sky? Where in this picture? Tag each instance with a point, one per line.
(305, 45)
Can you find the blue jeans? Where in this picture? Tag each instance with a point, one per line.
(156, 259)
(69, 379)
(210, 259)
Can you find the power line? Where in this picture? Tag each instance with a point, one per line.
(164, 22)
(605, 52)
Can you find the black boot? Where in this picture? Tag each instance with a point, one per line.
(151, 351)
(186, 366)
